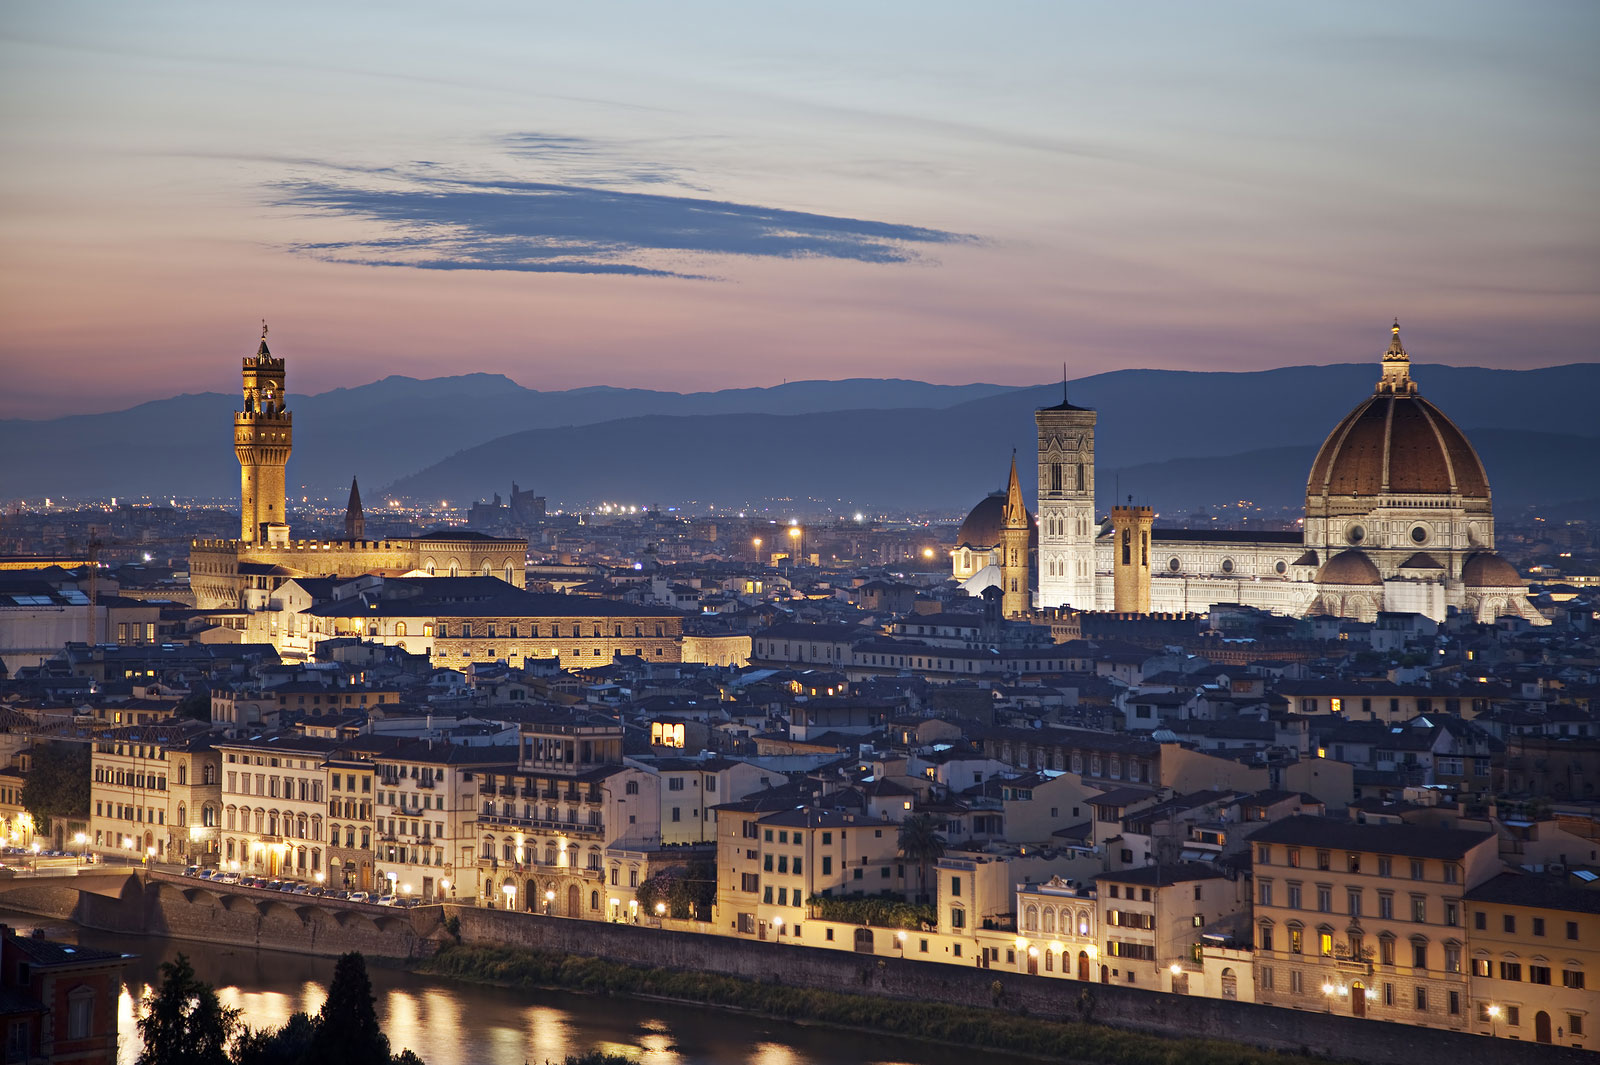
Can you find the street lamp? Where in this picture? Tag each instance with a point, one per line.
(797, 542)
(549, 900)
(900, 941)
(756, 543)
(1494, 1016)
(510, 891)
(777, 924)
(80, 839)
(661, 909)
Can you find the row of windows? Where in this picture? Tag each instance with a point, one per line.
(491, 630)
(1383, 865)
(1354, 900)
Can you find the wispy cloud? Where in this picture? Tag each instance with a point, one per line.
(591, 221)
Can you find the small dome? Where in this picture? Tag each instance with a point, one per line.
(1349, 567)
(985, 522)
(1421, 560)
(1489, 570)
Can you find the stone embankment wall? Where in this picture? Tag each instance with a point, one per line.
(161, 904)
(1120, 1007)
(166, 905)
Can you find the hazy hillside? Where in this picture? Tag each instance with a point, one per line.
(1525, 469)
(380, 431)
(905, 459)
(893, 443)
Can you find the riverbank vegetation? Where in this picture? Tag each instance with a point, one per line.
(962, 1025)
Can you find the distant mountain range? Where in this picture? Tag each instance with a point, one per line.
(1173, 438)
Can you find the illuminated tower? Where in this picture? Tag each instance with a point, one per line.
(1066, 505)
(1130, 563)
(262, 436)
(1014, 550)
(355, 521)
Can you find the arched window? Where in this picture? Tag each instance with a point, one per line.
(455, 568)
(509, 574)
(1049, 919)
(1230, 983)
(1031, 922)
(488, 846)
(183, 815)
(594, 900)
(399, 628)
(427, 567)
(183, 772)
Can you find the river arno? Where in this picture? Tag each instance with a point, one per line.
(452, 1023)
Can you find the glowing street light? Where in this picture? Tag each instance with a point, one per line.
(1494, 1017)
(549, 901)
(510, 892)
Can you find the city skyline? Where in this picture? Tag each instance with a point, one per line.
(692, 202)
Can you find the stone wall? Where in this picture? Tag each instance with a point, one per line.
(161, 904)
(1120, 1007)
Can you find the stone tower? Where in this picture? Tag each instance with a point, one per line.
(1130, 563)
(1067, 527)
(262, 436)
(1014, 550)
(355, 522)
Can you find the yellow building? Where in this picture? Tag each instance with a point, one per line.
(770, 862)
(1367, 920)
(154, 793)
(1535, 960)
(274, 799)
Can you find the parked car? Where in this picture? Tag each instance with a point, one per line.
(193, 870)
(360, 896)
(227, 878)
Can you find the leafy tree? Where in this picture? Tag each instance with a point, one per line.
(921, 842)
(347, 1029)
(197, 704)
(289, 1045)
(58, 783)
(688, 891)
(184, 1023)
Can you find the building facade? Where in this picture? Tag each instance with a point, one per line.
(1367, 920)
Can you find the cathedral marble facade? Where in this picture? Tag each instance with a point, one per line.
(1398, 518)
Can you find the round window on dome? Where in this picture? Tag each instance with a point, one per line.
(1281, 567)
(1174, 565)
(1355, 534)
(1227, 565)
(1420, 534)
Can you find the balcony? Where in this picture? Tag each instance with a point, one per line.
(528, 824)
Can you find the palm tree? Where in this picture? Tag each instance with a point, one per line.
(921, 842)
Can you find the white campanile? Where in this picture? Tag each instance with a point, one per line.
(1066, 505)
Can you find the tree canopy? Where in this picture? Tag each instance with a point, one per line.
(921, 842)
(347, 1029)
(58, 783)
(184, 1022)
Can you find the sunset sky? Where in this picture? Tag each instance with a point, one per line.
(697, 196)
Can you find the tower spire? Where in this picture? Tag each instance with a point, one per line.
(355, 522)
(1016, 512)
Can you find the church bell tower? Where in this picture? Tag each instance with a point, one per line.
(262, 437)
(1067, 526)
(1014, 537)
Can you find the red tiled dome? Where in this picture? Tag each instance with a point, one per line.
(1489, 570)
(1397, 442)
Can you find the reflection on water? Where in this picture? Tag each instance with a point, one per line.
(450, 1023)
